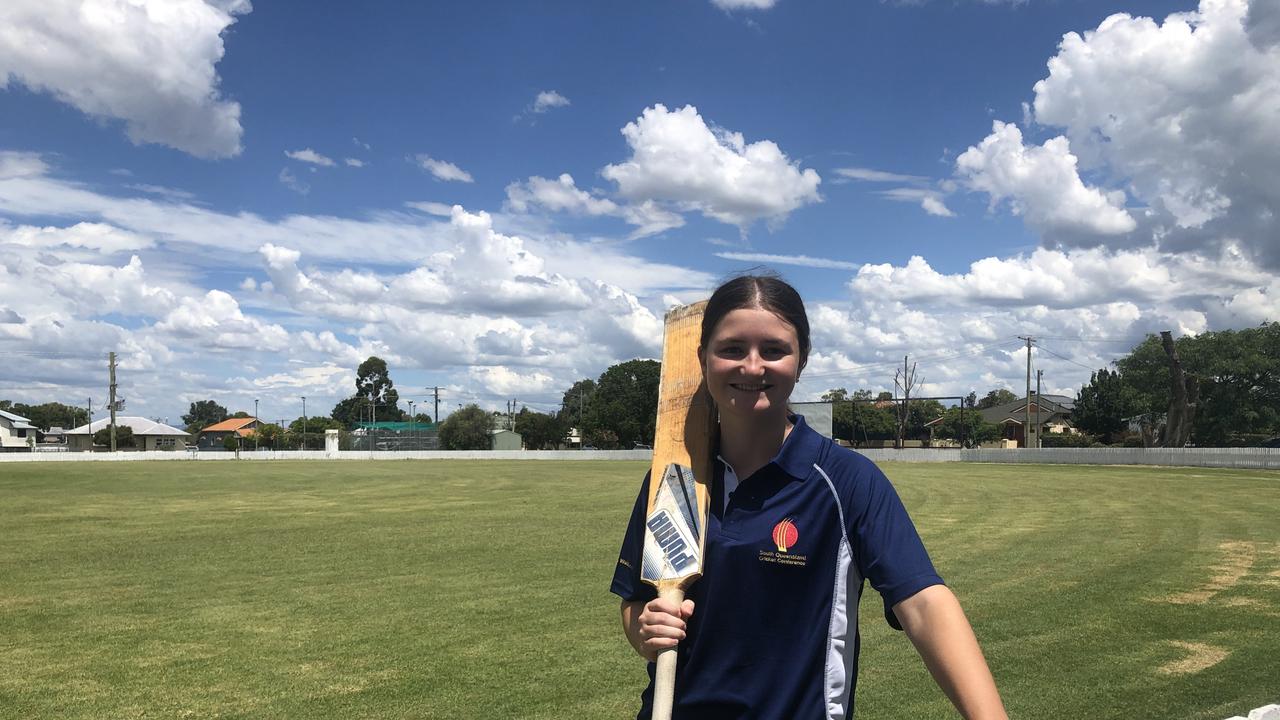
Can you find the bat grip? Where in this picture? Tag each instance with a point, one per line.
(664, 676)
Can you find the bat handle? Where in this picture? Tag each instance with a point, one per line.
(664, 676)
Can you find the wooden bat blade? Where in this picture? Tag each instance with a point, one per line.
(679, 486)
(681, 473)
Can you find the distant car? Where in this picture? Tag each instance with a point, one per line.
(588, 447)
(642, 446)
(1271, 443)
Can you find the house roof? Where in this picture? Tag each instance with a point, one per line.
(139, 426)
(238, 424)
(1016, 411)
(19, 422)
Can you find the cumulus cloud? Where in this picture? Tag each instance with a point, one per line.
(442, 170)
(21, 165)
(216, 321)
(548, 99)
(1042, 183)
(149, 63)
(354, 162)
(917, 189)
(91, 236)
(677, 158)
(1184, 112)
(563, 195)
(307, 155)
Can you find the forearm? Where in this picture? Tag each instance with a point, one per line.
(631, 625)
(937, 626)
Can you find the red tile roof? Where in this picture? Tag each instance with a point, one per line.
(234, 424)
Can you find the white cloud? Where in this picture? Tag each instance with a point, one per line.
(800, 260)
(149, 63)
(431, 208)
(307, 155)
(930, 200)
(91, 236)
(354, 162)
(744, 4)
(676, 158)
(216, 321)
(548, 99)
(21, 165)
(442, 170)
(1042, 183)
(1185, 113)
(935, 206)
(171, 193)
(563, 195)
(869, 175)
(291, 181)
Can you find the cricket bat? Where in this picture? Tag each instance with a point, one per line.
(680, 480)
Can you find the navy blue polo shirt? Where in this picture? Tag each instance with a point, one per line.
(774, 633)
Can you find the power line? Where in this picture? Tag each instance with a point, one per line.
(1064, 357)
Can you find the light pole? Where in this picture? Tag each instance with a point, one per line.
(413, 428)
(304, 422)
(257, 425)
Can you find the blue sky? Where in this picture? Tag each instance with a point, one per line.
(244, 201)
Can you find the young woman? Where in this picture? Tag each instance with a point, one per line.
(795, 526)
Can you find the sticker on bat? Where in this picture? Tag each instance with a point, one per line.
(672, 536)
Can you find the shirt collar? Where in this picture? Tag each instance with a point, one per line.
(799, 451)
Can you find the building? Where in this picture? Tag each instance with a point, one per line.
(505, 440)
(147, 434)
(16, 433)
(1049, 414)
(214, 436)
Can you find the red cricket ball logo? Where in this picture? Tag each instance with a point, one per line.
(785, 535)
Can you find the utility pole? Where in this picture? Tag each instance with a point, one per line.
(1039, 438)
(1026, 427)
(257, 425)
(304, 422)
(437, 415)
(111, 368)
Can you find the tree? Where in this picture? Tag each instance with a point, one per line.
(315, 427)
(626, 402)
(1000, 396)
(1103, 405)
(373, 381)
(350, 411)
(841, 413)
(124, 436)
(972, 430)
(268, 435)
(539, 430)
(467, 429)
(1237, 374)
(51, 414)
(576, 403)
(203, 414)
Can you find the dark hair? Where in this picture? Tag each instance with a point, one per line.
(766, 292)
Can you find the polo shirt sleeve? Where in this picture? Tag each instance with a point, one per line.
(626, 573)
(886, 546)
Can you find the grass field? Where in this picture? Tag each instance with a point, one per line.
(479, 590)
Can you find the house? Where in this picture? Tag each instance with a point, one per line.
(147, 434)
(213, 437)
(16, 433)
(1049, 414)
(502, 439)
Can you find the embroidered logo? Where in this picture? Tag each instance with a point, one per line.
(785, 535)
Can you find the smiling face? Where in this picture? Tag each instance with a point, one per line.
(751, 363)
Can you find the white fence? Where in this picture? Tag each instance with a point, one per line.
(1241, 458)
(179, 455)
